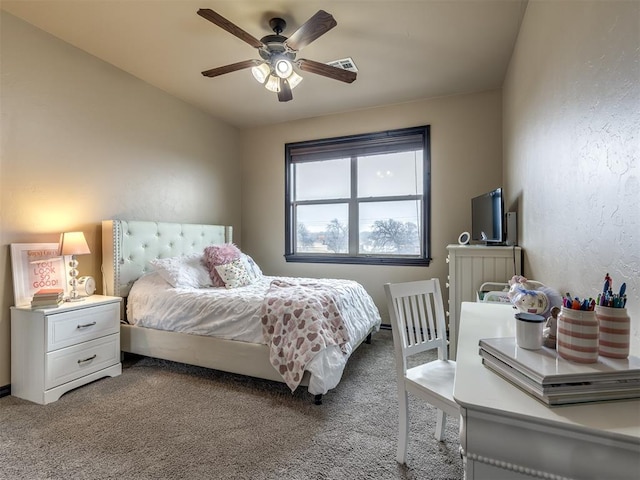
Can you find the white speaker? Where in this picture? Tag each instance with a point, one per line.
(464, 238)
(512, 228)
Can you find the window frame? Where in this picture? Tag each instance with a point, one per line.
(350, 147)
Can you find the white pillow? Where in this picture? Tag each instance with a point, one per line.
(186, 271)
(252, 267)
(234, 274)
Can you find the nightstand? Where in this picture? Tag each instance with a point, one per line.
(55, 350)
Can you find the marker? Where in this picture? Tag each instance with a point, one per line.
(608, 279)
(623, 288)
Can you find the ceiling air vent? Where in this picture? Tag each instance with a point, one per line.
(345, 64)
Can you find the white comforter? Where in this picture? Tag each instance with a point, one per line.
(235, 314)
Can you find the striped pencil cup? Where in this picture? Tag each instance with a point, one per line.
(577, 337)
(614, 331)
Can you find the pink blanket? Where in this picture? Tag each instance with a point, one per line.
(299, 320)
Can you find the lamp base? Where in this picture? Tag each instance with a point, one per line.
(76, 299)
(74, 295)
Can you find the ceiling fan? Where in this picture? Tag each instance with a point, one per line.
(275, 69)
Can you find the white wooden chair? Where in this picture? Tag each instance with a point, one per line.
(418, 324)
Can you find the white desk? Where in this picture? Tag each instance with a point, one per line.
(507, 434)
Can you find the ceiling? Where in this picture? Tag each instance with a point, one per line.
(404, 50)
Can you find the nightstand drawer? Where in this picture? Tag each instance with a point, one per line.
(75, 326)
(69, 363)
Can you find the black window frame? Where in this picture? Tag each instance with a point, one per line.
(350, 146)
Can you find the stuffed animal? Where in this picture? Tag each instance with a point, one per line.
(533, 297)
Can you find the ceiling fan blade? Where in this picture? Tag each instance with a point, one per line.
(323, 69)
(233, 29)
(316, 26)
(214, 72)
(284, 95)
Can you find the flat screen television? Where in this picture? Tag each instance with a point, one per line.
(487, 217)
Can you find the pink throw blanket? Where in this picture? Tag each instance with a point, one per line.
(299, 320)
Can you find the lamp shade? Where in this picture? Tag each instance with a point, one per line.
(294, 80)
(261, 72)
(73, 243)
(283, 68)
(273, 84)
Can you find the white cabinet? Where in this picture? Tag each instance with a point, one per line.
(469, 267)
(55, 350)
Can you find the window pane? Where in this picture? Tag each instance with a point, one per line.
(322, 180)
(390, 174)
(322, 228)
(359, 199)
(391, 228)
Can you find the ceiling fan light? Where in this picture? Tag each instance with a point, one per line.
(273, 84)
(283, 68)
(294, 80)
(261, 72)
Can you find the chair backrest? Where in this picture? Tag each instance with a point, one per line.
(417, 318)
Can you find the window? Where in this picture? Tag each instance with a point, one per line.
(359, 199)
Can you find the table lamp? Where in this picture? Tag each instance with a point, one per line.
(73, 243)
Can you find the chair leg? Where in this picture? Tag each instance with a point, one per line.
(441, 423)
(403, 426)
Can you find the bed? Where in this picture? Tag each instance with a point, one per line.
(130, 247)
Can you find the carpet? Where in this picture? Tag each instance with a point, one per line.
(166, 420)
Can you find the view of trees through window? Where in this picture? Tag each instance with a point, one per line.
(359, 199)
(386, 236)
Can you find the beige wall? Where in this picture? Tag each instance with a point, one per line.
(572, 143)
(466, 160)
(83, 141)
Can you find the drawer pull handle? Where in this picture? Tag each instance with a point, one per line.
(87, 325)
(87, 359)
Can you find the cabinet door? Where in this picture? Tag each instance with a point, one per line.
(469, 267)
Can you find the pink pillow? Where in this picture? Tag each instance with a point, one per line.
(219, 255)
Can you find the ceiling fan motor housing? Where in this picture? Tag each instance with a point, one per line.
(274, 45)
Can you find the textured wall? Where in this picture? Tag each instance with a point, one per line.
(83, 141)
(572, 142)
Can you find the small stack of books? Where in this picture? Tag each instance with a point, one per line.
(47, 298)
(556, 381)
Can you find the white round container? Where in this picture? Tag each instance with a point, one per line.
(614, 327)
(577, 338)
(529, 328)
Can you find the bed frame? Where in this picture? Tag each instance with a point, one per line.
(127, 248)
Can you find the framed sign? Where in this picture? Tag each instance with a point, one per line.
(36, 266)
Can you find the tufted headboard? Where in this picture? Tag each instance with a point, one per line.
(128, 246)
